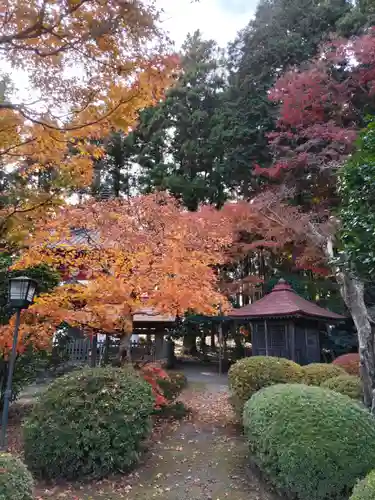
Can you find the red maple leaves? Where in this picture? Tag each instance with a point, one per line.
(322, 107)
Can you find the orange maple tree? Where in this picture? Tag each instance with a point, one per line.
(87, 67)
(145, 252)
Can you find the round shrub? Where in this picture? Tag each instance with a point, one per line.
(312, 443)
(365, 489)
(16, 482)
(89, 424)
(249, 375)
(349, 362)
(317, 373)
(345, 384)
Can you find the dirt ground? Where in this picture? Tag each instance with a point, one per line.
(200, 458)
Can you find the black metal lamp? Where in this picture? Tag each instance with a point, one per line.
(21, 294)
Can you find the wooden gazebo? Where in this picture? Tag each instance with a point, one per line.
(284, 324)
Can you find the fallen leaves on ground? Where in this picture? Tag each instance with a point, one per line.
(210, 410)
(211, 407)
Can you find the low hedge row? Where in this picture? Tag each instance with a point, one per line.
(312, 443)
(249, 375)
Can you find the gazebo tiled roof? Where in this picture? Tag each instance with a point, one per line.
(284, 302)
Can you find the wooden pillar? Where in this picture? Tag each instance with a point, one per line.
(266, 336)
(106, 350)
(94, 351)
(292, 343)
(220, 347)
(159, 346)
(213, 334)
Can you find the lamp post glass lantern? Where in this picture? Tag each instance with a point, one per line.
(21, 294)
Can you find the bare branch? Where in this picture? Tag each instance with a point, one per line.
(19, 108)
(7, 151)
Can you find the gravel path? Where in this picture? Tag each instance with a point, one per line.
(199, 462)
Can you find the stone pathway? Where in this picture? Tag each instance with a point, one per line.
(199, 462)
(31, 392)
(206, 376)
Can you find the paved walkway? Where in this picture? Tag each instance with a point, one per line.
(196, 373)
(31, 392)
(205, 375)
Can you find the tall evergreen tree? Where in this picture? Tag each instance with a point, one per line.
(179, 150)
(283, 33)
(114, 173)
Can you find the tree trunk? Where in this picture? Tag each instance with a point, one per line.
(124, 349)
(352, 291)
(125, 344)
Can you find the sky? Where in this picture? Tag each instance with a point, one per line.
(217, 19)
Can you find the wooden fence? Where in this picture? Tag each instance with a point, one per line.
(79, 351)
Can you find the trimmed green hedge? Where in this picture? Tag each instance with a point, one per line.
(249, 375)
(349, 385)
(16, 482)
(312, 443)
(365, 489)
(89, 424)
(317, 373)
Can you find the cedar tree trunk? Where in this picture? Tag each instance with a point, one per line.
(352, 291)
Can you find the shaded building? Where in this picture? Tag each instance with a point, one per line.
(286, 325)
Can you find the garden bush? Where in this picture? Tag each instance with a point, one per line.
(173, 386)
(365, 489)
(166, 386)
(345, 384)
(312, 443)
(154, 374)
(175, 411)
(89, 424)
(349, 362)
(249, 375)
(16, 482)
(317, 373)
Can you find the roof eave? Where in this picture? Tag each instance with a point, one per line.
(286, 316)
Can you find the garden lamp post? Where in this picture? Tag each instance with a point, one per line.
(21, 295)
